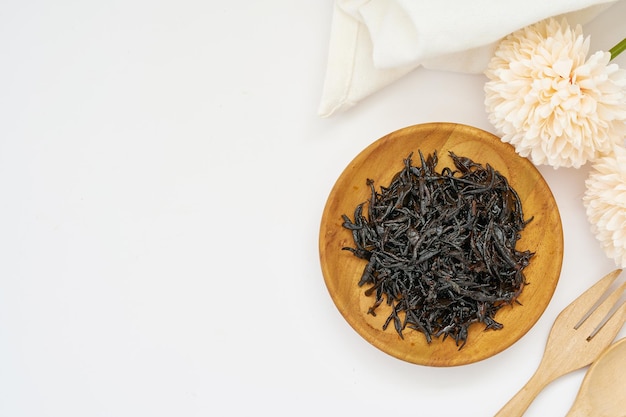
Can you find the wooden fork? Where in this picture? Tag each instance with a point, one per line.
(579, 334)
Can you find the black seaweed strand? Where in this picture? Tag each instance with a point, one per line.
(441, 247)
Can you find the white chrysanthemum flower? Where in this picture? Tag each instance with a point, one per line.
(605, 201)
(549, 101)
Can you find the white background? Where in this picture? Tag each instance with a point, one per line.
(162, 177)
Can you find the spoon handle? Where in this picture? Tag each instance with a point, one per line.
(525, 396)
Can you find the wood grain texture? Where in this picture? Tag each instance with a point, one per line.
(381, 161)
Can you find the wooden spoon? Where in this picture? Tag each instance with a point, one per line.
(603, 390)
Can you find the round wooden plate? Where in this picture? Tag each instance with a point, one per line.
(381, 161)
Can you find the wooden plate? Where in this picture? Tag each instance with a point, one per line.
(380, 161)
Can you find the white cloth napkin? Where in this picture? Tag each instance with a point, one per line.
(375, 42)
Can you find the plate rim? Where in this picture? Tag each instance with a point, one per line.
(412, 131)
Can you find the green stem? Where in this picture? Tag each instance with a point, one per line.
(618, 49)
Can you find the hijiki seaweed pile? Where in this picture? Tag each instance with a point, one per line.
(441, 247)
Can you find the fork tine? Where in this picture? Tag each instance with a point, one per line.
(618, 317)
(592, 295)
(600, 311)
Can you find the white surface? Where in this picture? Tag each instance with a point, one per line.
(163, 174)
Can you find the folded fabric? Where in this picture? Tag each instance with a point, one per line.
(375, 42)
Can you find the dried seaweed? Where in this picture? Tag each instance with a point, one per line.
(441, 247)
